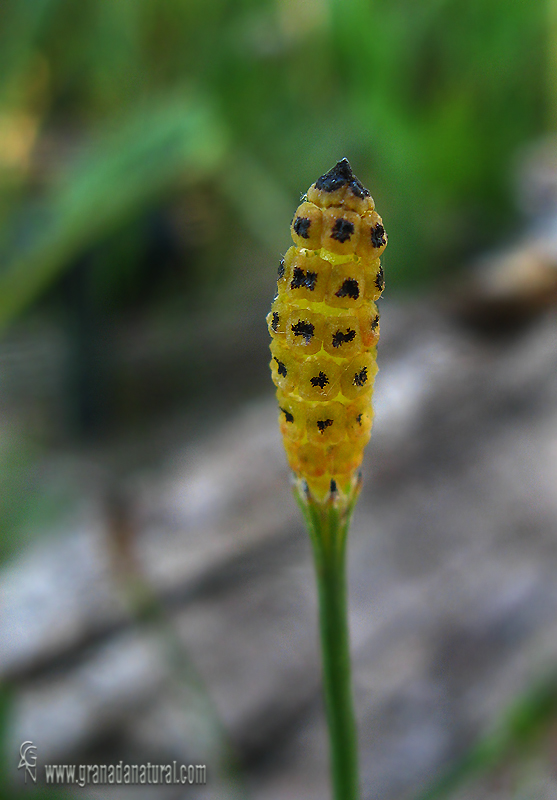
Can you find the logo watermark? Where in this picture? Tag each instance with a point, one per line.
(119, 774)
(28, 760)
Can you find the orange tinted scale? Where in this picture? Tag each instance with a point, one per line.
(368, 317)
(292, 416)
(374, 280)
(359, 421)
(346, 457)
(312, 459)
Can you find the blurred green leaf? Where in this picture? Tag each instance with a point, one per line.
(174, 143)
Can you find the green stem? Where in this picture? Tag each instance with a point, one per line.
(328, 524)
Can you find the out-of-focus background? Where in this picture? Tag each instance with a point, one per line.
(157, 592)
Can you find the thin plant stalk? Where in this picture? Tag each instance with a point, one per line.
(328, 525)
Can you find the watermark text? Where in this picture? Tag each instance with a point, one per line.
(119, 774)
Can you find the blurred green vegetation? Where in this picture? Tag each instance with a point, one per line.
(111, 108)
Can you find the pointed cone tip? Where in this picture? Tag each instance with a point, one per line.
(339, 176)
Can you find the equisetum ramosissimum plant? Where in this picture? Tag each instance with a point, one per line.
(324, 326)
